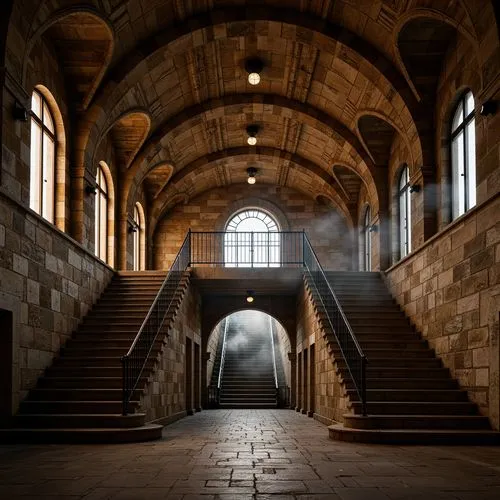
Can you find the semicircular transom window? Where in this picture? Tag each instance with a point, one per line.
(252, 240)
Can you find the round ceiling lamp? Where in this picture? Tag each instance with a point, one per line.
(254, 67)
(250, 296)
(252, 172)
(252, 131)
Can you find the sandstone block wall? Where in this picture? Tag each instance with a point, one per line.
(450, 289)
(50, 282)
(165, 397)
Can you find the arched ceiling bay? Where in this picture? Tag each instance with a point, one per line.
(84, 45)
(378, 135)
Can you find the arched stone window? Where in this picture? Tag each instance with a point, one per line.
(43, 157)
(139, 238)
(404, 212)
(252, 240)
(463, 155)
(101, 215)
(367, 241)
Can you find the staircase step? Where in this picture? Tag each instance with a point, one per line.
(79, 394)
(59, 407)
(75, 420)
(407, 383)
(417, 421)
(143, 433)
(73, 382)
(416, 408)
(411, 395)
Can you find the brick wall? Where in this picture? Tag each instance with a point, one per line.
(450, 289)
(212, 344)
(327, 231)
(283, 347)
(49, 281)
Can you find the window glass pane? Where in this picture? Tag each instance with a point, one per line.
(408, 221)
(47, 118)
(96, 223)
(36, 104)
(35, 167)
(103, 227)
(458, 117)
(457, 165)
(471, 164)
(48, 178)
(469, 103)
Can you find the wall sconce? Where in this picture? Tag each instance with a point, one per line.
(132, 229)
(373, 228)
(19, 112)
(250, 296)
(252, 172)
(252, 131)
(489, 107)
(415, 188)
(254, 67)
(89, 189)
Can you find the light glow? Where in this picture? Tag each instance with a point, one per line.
(253, 78)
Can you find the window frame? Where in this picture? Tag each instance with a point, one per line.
(367, 243)
(100, 195)
(136, 235)
(52, 135)
(404, 219)
(462, 128)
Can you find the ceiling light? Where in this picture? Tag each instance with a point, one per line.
(254, 68)
(250, 297)
(252, 134)
(251, 171)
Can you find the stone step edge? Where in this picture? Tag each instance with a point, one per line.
(95, 435)
(414, 436)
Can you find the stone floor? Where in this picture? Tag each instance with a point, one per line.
(248, 454)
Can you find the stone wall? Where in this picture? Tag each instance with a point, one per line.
(450, 289)
(49, 281)
(328, 232)
(283, 347)
(165, 397)
(330, 400)
(212, 347)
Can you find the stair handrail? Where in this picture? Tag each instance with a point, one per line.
(356, 365)
(274, 355)
(223, 356)
(135, 360)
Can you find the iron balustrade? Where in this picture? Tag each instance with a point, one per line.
(247, 249)
(349, 346)
(135, 360)
(243, 249)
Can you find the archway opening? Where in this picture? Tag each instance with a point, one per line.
(249, 363)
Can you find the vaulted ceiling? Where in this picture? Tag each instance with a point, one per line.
(335, 89)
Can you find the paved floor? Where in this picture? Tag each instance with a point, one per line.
(247, 454)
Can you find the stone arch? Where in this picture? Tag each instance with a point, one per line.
(265, 205)
(101, 47)
(61, 219)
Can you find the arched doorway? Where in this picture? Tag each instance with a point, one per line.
(252, 239)
(249, 365)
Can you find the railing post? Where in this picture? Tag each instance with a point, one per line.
(190, 259)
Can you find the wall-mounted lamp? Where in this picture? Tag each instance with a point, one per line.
(489, 107)
(252, 172)
(373, 228)
(250, 296)
(89, 189)
(132, 229)
(254, 67)
(252, 131)
(415, 188)
(19, 112)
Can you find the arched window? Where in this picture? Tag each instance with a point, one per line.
(101, 216)
(404, 213)
(252, 240)
(138, 237)
(463, 155)
(367, 241)
(43, 157)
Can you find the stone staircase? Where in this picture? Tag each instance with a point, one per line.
(248, 370)
(79, 398)
(411, 397)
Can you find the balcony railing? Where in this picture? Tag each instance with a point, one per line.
(251, 250)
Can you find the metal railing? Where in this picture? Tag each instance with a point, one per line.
(135, 360)
(247, 249)
(349, 346)
(234, 249)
